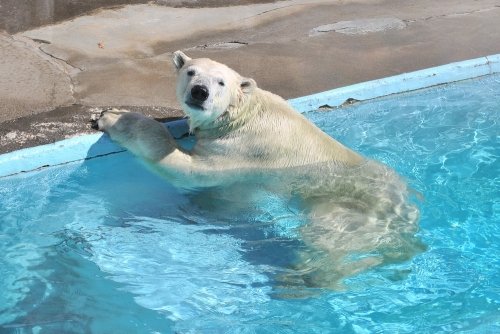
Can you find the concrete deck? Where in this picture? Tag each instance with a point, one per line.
(53, 77)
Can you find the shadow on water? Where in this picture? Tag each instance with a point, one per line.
(245, 210)
(268, 211)
(61, 288)
(65, 290)
(115, 239)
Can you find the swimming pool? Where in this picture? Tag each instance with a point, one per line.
(104, 246)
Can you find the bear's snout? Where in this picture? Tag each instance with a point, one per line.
(199, 93)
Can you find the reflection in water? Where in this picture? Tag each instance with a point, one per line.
(349, 220)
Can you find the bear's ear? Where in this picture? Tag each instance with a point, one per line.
(248, 85)
(179, 59)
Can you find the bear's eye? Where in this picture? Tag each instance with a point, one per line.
(190, 73)
(221, 83)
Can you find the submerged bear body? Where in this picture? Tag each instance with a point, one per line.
(358, 211)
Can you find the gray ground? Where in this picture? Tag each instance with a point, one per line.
(61, 60)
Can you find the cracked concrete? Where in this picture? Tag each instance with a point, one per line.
(132, 31)
(219, 45)
(54, 55)
(30, 81)
(121, 56)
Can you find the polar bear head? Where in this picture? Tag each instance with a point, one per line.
(207, 89)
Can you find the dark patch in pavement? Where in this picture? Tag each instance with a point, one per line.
(21, 15)
(220, 45)
(63, 122)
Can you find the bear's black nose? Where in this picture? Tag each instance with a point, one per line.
(199, 93)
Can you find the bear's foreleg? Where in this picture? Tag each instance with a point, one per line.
(142, 136)
(150, 141)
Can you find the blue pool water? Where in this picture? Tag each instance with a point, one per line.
(104, 246)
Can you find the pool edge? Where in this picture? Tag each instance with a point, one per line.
(61, 152)
(401, 83)
(86, 147)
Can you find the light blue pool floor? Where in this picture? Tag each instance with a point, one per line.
(104, 246)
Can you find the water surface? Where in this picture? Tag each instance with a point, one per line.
(105, 246)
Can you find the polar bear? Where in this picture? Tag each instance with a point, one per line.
(358, 211)
(237, 125)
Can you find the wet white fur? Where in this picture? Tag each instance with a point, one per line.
(354, 205)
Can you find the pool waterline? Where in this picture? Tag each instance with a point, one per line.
(79, 148)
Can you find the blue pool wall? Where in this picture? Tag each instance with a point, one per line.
(94, 145)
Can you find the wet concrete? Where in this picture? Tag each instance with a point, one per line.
(62, 123)
(121, 56)
(21, 15)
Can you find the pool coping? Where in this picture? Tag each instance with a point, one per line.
(91, 146)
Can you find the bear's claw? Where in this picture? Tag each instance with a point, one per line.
(94, 124)
(95, 117)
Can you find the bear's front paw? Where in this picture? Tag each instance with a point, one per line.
(106, 119)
